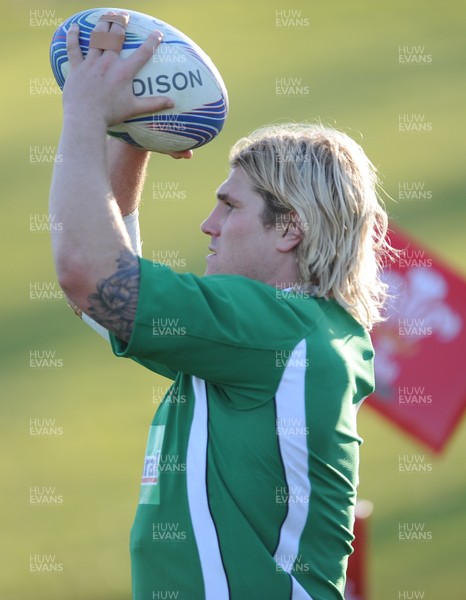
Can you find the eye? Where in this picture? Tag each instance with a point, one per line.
(230, 206)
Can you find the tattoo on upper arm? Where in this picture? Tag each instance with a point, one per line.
(114, 305)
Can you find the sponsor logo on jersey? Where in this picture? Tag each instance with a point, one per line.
(150, 489)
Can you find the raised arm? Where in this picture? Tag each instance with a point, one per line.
(95, 264)
(127, 172)
(127, 167)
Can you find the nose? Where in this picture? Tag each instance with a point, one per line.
(211, 225)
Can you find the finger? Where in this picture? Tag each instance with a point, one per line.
(145, 52)
(151, 104)
(75, 56)
(144, 106)
(117, 28)
(108, 36)
(181, 154)
(94, 53)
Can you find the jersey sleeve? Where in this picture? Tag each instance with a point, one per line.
(226, 329)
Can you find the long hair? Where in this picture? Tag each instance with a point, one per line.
(320, 180)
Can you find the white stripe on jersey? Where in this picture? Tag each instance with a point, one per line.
(215, 580)
(292, 439)
(298, 592)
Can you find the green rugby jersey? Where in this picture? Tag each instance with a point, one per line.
(251, 468)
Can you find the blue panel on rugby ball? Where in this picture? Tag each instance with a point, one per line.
(179, 69)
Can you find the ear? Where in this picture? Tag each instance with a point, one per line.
(289, 232)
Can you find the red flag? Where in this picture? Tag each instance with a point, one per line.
(420, 351)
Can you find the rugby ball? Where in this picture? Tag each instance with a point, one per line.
(179, 69)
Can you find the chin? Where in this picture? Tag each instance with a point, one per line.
(215, 270)
(212, 266)
(210, 271)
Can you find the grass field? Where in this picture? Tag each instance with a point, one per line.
(345, 60)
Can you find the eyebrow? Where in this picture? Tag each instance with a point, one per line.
(226, 198)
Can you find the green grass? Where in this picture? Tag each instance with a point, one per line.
(348, 56)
